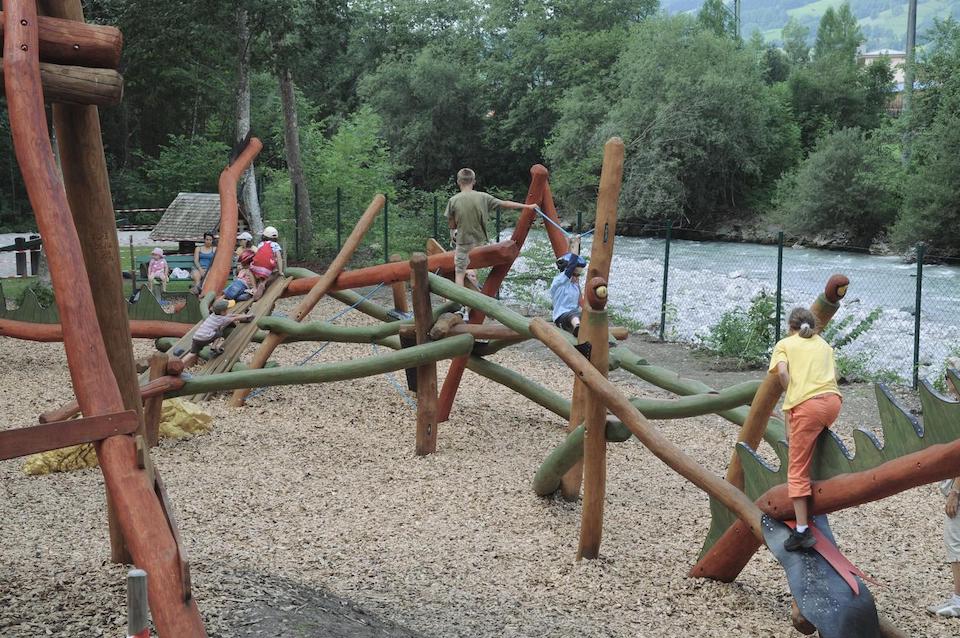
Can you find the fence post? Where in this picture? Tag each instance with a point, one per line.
(666, 271)
(435, 218)
(339, 243)
(779, 284)
(498, 224)
(21, 256)
(579, 222)
(916, 317)
(137, 608)
(386, 245)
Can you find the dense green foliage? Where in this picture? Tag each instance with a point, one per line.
(745, 336)
(394, 96)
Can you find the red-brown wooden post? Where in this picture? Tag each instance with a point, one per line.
(152, 406)
(427, 373)
(596, 326)
(399, 289)
(138, 510)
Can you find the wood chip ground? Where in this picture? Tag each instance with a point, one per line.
(311, 506)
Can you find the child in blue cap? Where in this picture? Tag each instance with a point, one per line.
(565, 290)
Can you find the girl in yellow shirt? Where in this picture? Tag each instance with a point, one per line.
(803, 361)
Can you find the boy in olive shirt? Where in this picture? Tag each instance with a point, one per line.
(467, 217)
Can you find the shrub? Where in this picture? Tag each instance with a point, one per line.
(745, 335)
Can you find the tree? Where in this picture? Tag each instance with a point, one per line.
(433, 112)
(849, 185)
(292, 28)
(931, 211)
(705, 135)
(795, 42)
(716, 18)
(248, 185)
(839, 34)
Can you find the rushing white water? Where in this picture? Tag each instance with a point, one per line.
(707, 279)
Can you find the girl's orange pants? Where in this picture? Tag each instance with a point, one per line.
(807, 420)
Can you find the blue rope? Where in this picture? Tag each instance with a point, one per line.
(327, 343)
(399, 388)
(560, 228)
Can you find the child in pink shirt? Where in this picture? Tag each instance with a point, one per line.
(158, 270)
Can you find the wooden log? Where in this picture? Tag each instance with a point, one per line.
(731, 553)
(66, 41)
(323, 331)
(327, 372)
(670, 380)
(152, 406)
(619, 333)
(481, 257)
(53, 436)
(151, 389)
(399, 289)
(219, 270)
(426, 436)
(63, 84)
(87, 186)
(662, 448)
(319, 289)
(491, 286)
(150, 542)
(570, 451)
(558, 239)
(595, 329)
(486, 331)
(441, 327)
(49, 332)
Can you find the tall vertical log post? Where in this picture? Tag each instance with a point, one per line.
(596, 326)
(427, 373)
(139, 512)
(316, 293)
(399, 289)
(87, 185)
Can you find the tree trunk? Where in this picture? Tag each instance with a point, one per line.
(291, 134)
(248, 184)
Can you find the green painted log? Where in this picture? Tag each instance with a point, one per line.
(240, 366)
(367, 307)
(673, 382)
(570, 451)
(327, 372)
(487, 305)
(522, 385)
(205, 302)
(324, 331)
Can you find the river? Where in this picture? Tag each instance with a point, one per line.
(709, 278)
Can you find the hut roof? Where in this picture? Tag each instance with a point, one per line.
(189, 216)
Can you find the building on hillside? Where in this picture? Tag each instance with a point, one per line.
(189, 216)
(898, 63)
(897, 59)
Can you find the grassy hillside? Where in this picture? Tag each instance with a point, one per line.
(884, 22)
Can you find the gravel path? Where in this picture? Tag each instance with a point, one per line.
(307, 514)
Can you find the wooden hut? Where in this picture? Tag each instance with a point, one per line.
(189, 216)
